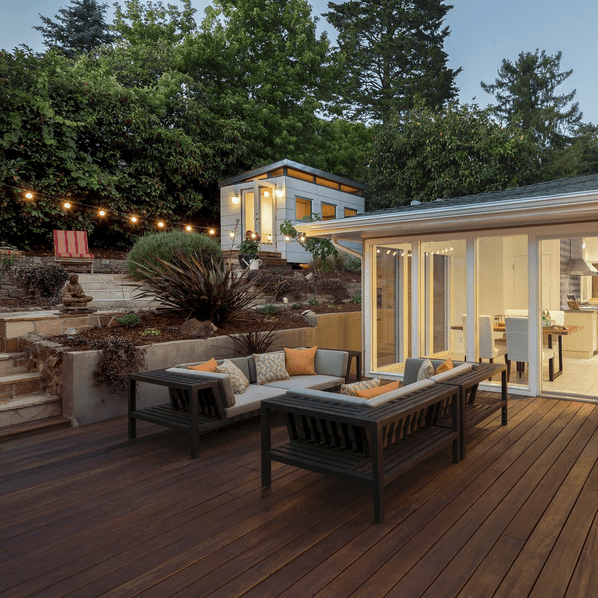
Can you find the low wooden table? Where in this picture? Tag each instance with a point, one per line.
(204, 411)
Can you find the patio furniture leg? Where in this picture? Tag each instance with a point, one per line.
(503, 390)
(378, 476)
(132, 427)
(194, 431)
(266, 446)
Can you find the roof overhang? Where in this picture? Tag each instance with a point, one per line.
(429, 219)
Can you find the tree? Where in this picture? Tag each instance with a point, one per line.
(393, 55)
(80, 28)
(262, 58)
(526, 95)
(424, 154)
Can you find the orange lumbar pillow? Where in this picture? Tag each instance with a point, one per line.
(301, 362)
(444, 367)
(208, 366)
(370, 393)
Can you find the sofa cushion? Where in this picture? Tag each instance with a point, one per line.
(299, 382)
(445, 366)
(206, 366)
(426, 370)
(270, 367)
(350, 389)
(225, 385)
(331, 363)
(445, 376)
(252, 397)
(237, 377)
(370, 393)
(300, 362)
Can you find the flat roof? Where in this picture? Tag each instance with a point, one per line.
(256, 172)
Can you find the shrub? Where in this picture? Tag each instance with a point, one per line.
(196, 290)
(257, 340)
(356, 299)
(129, 320)
(333, 286)
(166, 246)
(44, 280)
(118, 357)
(269, 309)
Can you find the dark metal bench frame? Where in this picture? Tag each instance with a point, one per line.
(368, 446)
(195, 406)
(476, 409)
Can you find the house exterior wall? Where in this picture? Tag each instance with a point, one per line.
(292, 189)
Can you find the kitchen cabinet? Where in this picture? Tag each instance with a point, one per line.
(584, 343)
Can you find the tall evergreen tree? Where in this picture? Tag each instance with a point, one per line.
(393, 54)
(79, 28)
(526, 97)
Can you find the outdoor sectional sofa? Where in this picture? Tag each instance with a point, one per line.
(372, 442)
(202, 401)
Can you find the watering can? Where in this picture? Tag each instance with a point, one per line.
(255, 264)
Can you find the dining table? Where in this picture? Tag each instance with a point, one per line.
(548, 331)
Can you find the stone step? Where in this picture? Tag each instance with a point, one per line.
(28, 428)
(12, 363)
(14, 385)
(29, 407)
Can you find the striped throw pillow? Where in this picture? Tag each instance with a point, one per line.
(351, 389)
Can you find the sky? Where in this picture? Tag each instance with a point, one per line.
(483, 33)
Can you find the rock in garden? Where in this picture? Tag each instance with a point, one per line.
(195, 329)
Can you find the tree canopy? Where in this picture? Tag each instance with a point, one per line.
(78, 29)
(424, 154)
(527, 98)
(393, 56)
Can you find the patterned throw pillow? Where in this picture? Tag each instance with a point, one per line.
(445, 367)
(301, 362)
(207, 366)
(351, 389)
(425, 371)
(270, 367)
(237, 377)
(370, 393)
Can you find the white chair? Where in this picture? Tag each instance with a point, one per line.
(487, 345)
(518, 346)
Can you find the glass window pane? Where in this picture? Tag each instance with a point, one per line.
(350, 212)
(328, 211)
(302, 209)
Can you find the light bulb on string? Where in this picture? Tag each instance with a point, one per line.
(66, 205)
(29, 195)
(102, 213)
(134, 219)
(160, 224)
(212, 232)
(188, 228)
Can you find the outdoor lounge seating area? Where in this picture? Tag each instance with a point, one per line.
(87, 512)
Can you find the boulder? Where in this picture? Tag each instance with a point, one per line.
(195, 329)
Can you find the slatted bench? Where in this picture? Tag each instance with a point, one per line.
(195, 406)
(368, 446)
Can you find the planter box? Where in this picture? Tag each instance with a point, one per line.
(85, 402)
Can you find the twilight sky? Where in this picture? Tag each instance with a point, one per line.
(483, 32)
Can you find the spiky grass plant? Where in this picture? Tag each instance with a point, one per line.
(257, 340)
(206, 289)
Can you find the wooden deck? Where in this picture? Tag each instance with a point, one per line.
(87, 513)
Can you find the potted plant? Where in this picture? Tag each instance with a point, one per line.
(249, 248)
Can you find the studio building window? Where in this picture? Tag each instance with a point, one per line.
(302, 209)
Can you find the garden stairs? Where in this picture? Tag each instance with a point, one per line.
(24, 407)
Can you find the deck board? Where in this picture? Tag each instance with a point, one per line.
(86, 512)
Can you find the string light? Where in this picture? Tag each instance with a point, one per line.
(102, 212)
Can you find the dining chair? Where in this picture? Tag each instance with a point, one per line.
(488, 348)
(518, 346)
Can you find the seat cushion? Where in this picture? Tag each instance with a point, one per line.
(251, 399)
(351, 389)
(299, 382)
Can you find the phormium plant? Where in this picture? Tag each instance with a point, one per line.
(192, 288)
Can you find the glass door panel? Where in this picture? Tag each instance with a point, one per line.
(249, 212)
(266, 224)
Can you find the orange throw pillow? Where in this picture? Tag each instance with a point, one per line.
(208, 366)
(370, 393)
(444, 367)
(301, 362)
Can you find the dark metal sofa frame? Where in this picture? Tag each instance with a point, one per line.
(369, 446)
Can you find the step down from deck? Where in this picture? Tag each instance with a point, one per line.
(28, 408)
(33, 427)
